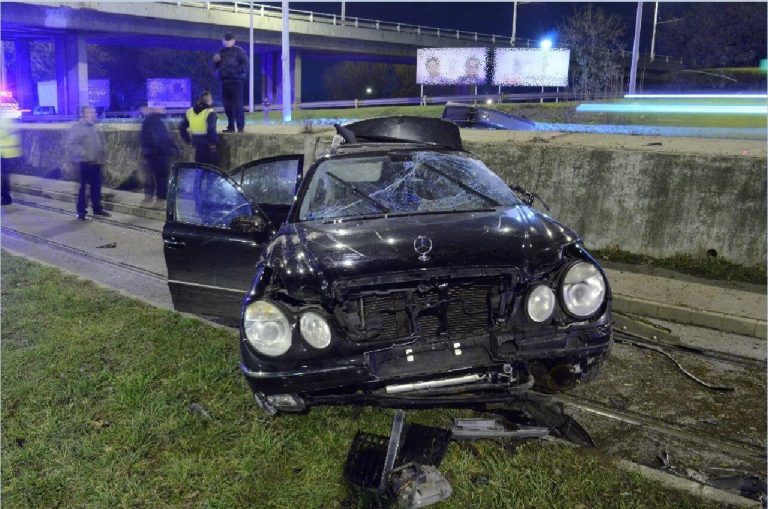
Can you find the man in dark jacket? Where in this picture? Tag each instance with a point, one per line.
(157, 147)
(231, 62)
(199, 128)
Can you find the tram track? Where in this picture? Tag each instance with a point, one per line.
(66, 212)
(84, 254)
(737, 448)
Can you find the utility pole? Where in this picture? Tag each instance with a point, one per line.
(250, 71)
(514, 23)
(653, 37)
(635, 49)
(286, 61)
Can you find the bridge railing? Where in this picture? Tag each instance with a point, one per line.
(357, 22)
(480, 99)
(263, 10)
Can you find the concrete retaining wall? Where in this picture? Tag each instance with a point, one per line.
(653, 203)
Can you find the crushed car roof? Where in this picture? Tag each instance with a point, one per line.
(403, 129)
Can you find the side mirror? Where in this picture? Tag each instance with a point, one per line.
(529, 197)
(249, 224)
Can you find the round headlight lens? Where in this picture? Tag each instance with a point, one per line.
(540, 303)
(583, 289)
(315, 329)
(266, 328)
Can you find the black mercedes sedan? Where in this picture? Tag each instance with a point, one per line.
(396, 270)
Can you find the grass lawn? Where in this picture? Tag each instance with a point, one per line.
(96, 395)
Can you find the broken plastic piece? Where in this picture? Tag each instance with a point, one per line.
(392, 448)
(417, 485)
(473, 429)
(371, 457)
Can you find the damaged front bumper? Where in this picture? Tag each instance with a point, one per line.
(439, 370)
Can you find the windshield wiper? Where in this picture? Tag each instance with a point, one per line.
(463, 185)
(358, 192)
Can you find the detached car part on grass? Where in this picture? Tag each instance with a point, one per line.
(397, 270)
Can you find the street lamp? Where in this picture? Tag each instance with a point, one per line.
(369, 90)
(546, 44)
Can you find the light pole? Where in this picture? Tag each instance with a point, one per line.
(286, 61)
(635, 48)
(653, 37)
(514, 23)
(250, 71)
(343, 11)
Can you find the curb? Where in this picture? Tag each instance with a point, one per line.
(682, 484)
(134, 210)
(690, 316)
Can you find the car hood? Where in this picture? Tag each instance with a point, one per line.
(314, 254)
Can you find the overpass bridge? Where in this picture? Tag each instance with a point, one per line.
(199, 25)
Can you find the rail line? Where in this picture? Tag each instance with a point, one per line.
(708, 353)
(737, 448)
(66, 212)
(79, 252)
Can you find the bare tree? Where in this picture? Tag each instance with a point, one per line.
(594, 39)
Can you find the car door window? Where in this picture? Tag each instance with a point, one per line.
(206, 198)
(271, 183)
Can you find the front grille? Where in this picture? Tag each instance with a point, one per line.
(461, 310)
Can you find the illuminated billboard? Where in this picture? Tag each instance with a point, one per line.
(98, 93)
(531, 67)
(451, 66)
(169, 92)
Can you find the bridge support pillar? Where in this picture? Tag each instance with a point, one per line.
(296, 71)
(25, 93)
(71, 74)
(272, 77)
(268, 71)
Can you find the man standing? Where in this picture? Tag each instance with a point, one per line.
(199, 128)
(157, 147)
(10, 154)
(231, 62)
(88, 146)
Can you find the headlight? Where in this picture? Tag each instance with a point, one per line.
(540, 303)
(315, 329)
(583, 289)
(266, 328)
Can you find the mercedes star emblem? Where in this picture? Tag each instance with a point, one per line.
(422, 245)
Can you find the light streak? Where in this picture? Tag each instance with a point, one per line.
(674, 108)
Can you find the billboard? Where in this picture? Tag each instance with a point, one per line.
(451, 66)
(531, 67)
(169, 92)
(98, 93)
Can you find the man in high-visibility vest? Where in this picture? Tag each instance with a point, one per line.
(199, 128)
(10, 154)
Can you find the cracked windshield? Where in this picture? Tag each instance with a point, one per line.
(416, 183)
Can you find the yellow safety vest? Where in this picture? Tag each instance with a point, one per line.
(198, 122)
(10, 141)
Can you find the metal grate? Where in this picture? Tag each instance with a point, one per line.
(467, 312)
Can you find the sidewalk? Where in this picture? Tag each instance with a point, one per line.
(690, 301)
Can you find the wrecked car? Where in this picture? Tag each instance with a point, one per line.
(398, 269)
(481, 117)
